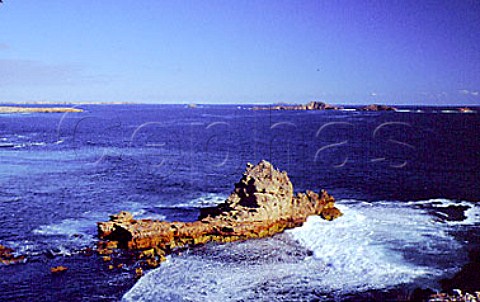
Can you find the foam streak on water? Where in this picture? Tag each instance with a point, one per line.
(373, 246)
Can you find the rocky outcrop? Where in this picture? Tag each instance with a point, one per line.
(377, 107)
(465, 110)
(18, 109)
(262, 204)
(7, 256)
(309, 106)
(58, 269)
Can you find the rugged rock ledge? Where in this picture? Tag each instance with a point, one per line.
(309, 106)
(262, 204)
(14, 109)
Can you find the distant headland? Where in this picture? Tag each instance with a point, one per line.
(319, 106)
(314, 105)
(18, 109)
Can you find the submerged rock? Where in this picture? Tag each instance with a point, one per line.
(262, 204)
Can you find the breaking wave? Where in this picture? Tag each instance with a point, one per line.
(208, 200)
(374, 245)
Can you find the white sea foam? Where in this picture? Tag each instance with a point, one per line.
(144, 214)
(205, 280)
(207, 200)
(374, 245)
(85, 226)
(361, 249)
(66, 227)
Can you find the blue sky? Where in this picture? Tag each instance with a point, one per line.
(346, 52)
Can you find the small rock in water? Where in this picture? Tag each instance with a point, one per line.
(7, 256)
(58, 269)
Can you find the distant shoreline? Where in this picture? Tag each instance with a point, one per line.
(15, 109)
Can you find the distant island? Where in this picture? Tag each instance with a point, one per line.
(377, 107)
(310, 106)
(15, 109)
(465, 110)
(324, 106)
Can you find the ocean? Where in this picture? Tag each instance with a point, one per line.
(408, 183)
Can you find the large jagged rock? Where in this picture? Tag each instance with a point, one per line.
(262, 204)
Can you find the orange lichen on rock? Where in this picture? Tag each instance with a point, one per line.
(262, 204)
(7, 256)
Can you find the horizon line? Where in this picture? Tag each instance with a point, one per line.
(221, 104)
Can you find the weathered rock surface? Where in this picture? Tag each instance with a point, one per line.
(310, 106)
(262, 204)
(377, 107)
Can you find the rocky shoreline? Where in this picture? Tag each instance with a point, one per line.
(262, 204)
(15, 109)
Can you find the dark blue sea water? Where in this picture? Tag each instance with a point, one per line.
(408, 183)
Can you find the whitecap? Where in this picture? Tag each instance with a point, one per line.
(66, 227)
(207, 200)
(144, 214)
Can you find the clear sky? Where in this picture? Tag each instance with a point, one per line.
(242, 51)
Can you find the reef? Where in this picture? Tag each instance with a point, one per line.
(310, 106)
(262, 204)
(15, 109)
